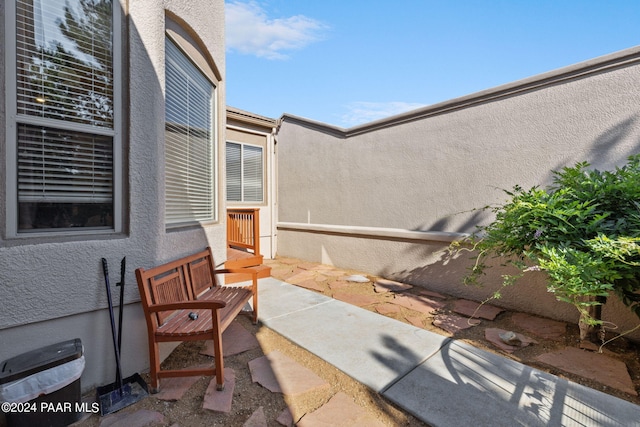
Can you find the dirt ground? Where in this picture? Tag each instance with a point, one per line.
(249, 396)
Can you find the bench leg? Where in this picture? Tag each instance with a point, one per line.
(255, 308)
(154, 368)
(217, 351)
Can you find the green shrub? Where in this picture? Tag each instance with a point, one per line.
(583, 231)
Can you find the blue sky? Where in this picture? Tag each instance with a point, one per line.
(348, 62)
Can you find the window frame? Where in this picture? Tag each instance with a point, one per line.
(175, 38)
(242, 175)
(13, 120)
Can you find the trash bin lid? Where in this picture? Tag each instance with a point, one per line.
(40, 359)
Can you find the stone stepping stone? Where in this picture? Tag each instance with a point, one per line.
(257, 419)
(340, 411)
(493, 336)
(285, 418)
(281, 374)
(453, 323)
(418, 303)
(541, 327)
(235, 339)
(172, 389)
(356, 299)
(596, 366)
(301, 276)
(384, 285)
(387, 308)
(141, 418)
(416, 321)
(311, 284)
(220, 400)
(357, 278)
(475, 309)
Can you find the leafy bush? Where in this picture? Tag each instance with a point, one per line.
(583, 231)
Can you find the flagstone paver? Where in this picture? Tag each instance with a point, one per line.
(541, 327)
(493, 336)
(235, 340)
(285, 418)
(475, 309)
(431, 294)
(387, 308)
(140, 418)
(312, 284)
(596, 366)
(257, 419)
(340, 411)
(356, 299)
(174, 388)
(418, 303)
(453, 323)
(280, 374)
(220, 400)
(301, 276)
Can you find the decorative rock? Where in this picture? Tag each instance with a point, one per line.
(453, 323)
(475, 309)
(356, 278)
(599, 367)
(384, 285)
(544, 328)
(508, 341)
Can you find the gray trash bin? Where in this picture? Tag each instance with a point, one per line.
(42, 387)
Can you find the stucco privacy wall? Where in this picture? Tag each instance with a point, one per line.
(52, 289)
(373, 197)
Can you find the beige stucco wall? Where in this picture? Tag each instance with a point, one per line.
(52, 289)
(353, 197)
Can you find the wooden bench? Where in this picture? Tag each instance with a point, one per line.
(183, 301)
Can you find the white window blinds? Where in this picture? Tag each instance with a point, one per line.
(64, 60)
(65, 137)
(189, 141)
(244, 173)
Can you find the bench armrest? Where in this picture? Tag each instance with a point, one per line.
(188, 305)
(247, 270)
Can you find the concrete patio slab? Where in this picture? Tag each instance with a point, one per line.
(279, 298)
(493, 390)
(375, 343)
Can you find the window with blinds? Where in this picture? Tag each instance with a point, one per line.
(64, 109)
(245, 182)
(189, 141)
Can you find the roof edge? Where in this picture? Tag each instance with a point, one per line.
(577, 71)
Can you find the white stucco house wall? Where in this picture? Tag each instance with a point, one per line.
(94, 153)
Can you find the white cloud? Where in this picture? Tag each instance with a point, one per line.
(250, 31)
(364, 112)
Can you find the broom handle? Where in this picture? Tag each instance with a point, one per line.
(105, 269)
